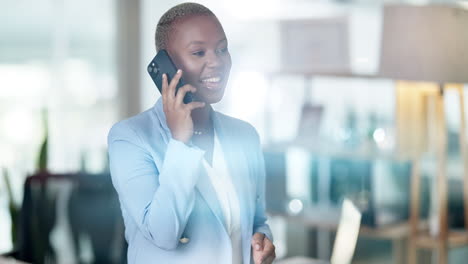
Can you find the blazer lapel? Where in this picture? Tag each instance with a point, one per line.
(239, 172)
(205, 188)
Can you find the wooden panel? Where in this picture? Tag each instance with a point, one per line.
(412, 111)
(426, 43)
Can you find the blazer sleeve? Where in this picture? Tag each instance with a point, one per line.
(260, 219)
(158, 200)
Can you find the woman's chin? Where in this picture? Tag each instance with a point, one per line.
(210, 98)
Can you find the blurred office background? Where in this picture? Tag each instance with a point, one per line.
(71, 69)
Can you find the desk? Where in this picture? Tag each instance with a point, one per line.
(8, 260)
(301, 260)
(326, 219)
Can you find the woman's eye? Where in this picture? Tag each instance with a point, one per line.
(223, 50)
(198, 53)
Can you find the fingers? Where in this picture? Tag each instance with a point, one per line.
(257, 241)
(257, 256)
(267, 245)
(269, 259)
(164, 87)
(183, 91)
(173, 84)
(268, 251)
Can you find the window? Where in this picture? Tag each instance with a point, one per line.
(59, 56)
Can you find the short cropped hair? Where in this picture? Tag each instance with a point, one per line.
(174, 14)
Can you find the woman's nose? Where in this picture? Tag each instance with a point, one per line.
(213, 60)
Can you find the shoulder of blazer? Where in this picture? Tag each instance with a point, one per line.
(240, 129)
(135, 128)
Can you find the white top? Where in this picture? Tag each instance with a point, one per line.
(227, 196)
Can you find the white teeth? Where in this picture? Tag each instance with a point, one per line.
(214, 80)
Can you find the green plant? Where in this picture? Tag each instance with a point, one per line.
(12, 207)
(43, 152)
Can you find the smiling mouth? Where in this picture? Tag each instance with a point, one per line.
(212, 83)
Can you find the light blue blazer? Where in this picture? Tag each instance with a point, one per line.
(165, 193)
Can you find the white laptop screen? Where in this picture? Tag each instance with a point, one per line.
(347, 234)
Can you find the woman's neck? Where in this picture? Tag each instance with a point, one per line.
(201, 118)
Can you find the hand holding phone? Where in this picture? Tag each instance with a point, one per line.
(178, 114)
(177, 111)
(162, 64)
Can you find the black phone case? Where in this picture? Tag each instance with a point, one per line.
(162, 63)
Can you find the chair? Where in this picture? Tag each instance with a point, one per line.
(60, 211)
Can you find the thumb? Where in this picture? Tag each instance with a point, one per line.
(257, 241)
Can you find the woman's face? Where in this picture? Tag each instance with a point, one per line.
(198, 46)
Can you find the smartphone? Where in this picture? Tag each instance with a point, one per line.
(161, 64)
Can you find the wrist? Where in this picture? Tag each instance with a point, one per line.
(182, 138)
(189, 144)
